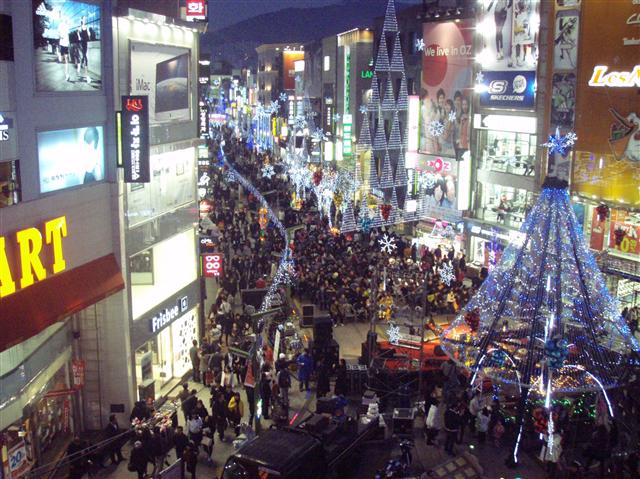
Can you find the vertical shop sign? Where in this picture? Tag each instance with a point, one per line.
(66, 414)
(347, 80)
(134, 139)
(78, 369)
(212, 265)
(597, 232)
(346, 135)
(196, 10)
(203, 121)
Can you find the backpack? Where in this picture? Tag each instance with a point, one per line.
(284, 379)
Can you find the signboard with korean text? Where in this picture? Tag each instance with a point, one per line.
(134, 139)
(196, 10)
(78, 369)
(212, 265)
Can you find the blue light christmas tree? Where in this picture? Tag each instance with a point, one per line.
(544, 309)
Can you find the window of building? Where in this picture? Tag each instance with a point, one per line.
(10, 193)
(327, 63)
(507, 152)
(6, 38)
(503, 205)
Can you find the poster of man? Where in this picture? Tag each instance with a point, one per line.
(66, 42)
(445, 94)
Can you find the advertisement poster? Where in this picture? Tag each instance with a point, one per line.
(607, 153)
(437, 180)
(565, 49)
(563, 100)
(162, 73)
(78, 370)
(624, 234)
(67, 45)
(446, 88)
(513, 89)
(289, 59)
(69, 158)
(509, 31)
(134, 143)
(18, 460)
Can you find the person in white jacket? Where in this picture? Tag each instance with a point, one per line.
(551, 452)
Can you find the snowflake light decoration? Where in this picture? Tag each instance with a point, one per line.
(427, 181)
(420, 44)
(435, 128)
(363, 109)
(230, 177)
(393, 333)
(283, 97)
(299, 123)
(268, 171)
(274, 107)
(365, 224)
(479, 77)
(319, 135)
(561, 144)
(446, 274)
(452, 116)
(387, 244)
(336, 117)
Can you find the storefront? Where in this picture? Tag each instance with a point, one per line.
(487, 243)
(162, 339)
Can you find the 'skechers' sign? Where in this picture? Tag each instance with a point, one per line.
(134, 139)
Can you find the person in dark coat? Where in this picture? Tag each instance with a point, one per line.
(340, 388)
(140, 412)
(451, 427)
(138, 460)
(219, 413)
(78, 458)
(322, 386)
(180, 441)
(115, 445)
(189, 404)
(265, 393)
(190, 458)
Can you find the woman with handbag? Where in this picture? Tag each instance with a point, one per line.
(138, 460)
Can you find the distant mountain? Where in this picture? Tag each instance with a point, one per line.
(237, 42)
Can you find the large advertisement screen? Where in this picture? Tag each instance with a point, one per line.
(69, 158)
(607, 117)
(289, 60)
(445, 94)
(162, 73)
(67, 43)
(508, 53)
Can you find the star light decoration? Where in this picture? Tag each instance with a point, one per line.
(435, 128)
(393, 333)
(268, 171)
(479, 77)
(420, 44)
(337, 117)
(387, 244)
(446, 274)
(561, 144)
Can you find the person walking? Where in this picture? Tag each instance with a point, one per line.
(265, 393)
(138, 461)
(190, 458)
(189, 404)
(451, 427)
(194, 426)
(180, 441)
(482, 424)
(305, 364)
(115, 442)
(194, 354)
(219, 413)
(284, 383)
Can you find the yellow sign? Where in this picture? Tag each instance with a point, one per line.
(600, 77)
(29, 243)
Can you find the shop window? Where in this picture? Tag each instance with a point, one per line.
(507, 152)
(6, 38)
(503, 204)
(141, 267)
(10, 193)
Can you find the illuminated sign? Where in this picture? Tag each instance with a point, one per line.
(29, 250)
(346, 135)
(600, 77)
(196, 10)
(212, 265)
(167, 315)
(367, 74)
(203, 121)
(347, 79)
(134, 139)
(507, 89)
(5, 124)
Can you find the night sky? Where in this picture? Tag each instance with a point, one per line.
(227, 12)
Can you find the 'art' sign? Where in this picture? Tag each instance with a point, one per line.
(134, 139)
(28, 248)
(212, 265)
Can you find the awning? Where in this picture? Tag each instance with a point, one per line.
(30, 311)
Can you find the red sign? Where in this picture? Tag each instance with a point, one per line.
(78, 367)
(597, 232)
(630, 240)
(196, 10)
(212, 265)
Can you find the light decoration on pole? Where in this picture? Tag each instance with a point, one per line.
(546, 305)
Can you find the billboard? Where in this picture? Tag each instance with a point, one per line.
(67, 45)
(134, 139)
(289, 59)
(445, 93)
(508, 53)
(607, 118)
(624, 233)
(68, 158)
(438, 183)
(163, 74)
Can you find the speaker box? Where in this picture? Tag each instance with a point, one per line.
(308, 312)
(329, 351)
(322, 330)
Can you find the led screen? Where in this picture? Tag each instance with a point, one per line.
(70, 158)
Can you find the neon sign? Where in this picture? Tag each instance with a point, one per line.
(29, 242)
(600, 77)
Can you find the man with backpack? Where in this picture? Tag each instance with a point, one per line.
(284, 383)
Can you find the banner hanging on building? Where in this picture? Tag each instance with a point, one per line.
(134, 139)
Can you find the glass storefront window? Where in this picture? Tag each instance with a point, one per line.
(507, 152)
(503, 204)
(9, 183)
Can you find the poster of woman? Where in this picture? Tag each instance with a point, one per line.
(445, 94)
